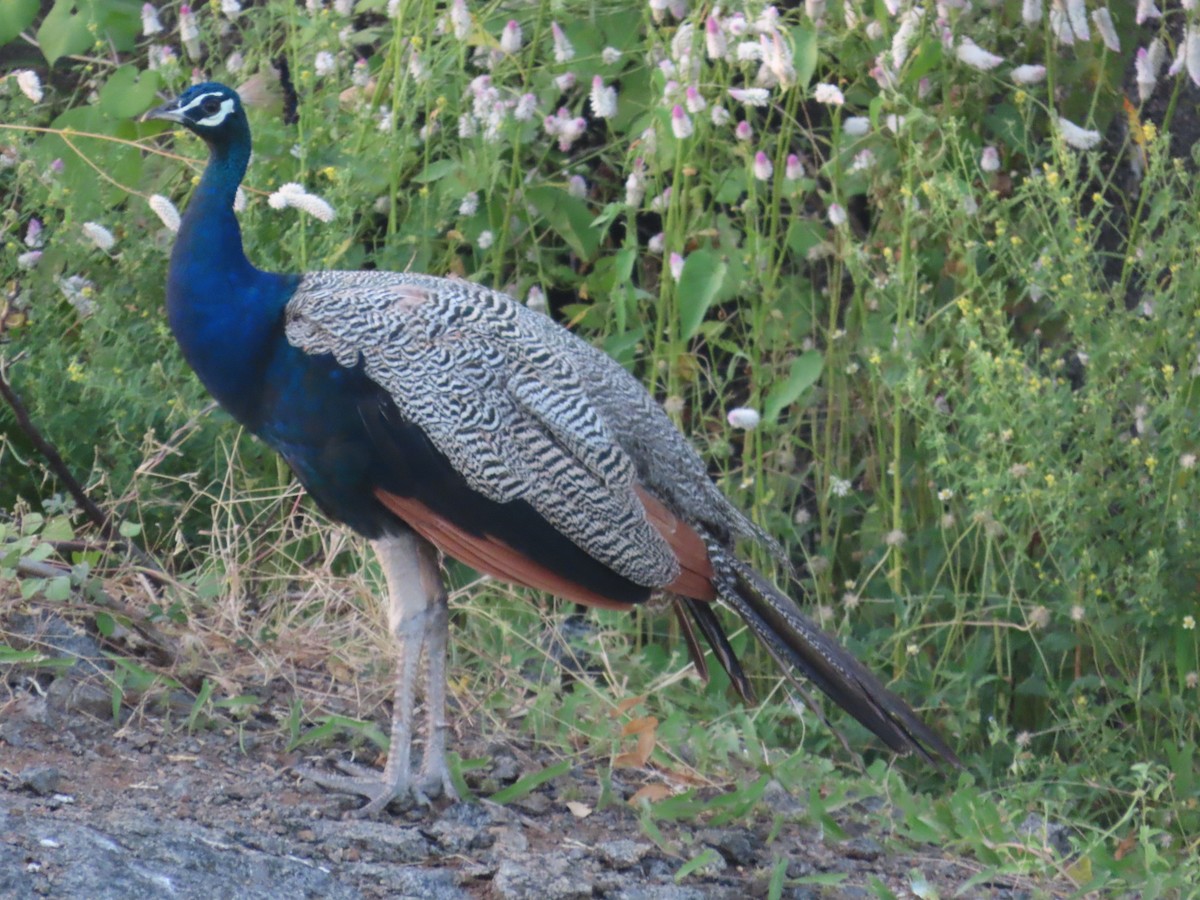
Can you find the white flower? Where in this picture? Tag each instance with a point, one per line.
(777, 61)
(989, 161)
(577, 186)
(1147, 10)
(150, 22)
(856, 126)
(719, 116)
(565, 81)
(1028, 74)
(837, 215)
(510, 37)
(1077, 14)
(903, 38)
(165, 210)
(694, 101)
(460, 19)
(794, 168)
(714, 39)
(839, 487)
(1187, 461)
(324, 64)
(895, 538)
(99, 235)
(294, 195)
(603, 99)
(828, 93)
(1192, 55)
(30, 85)
(675, 263)
(29, 259)
(236, 61)
(743, 418)
(469, 205)
(486, 239)
(1031, 12)
(610, 56)
(343, 7)
(657, 243)
(1079, 138)
(635, 185)
(681, 123)
(536, 299)
(762, 167)
(189, 32)
(315, 207)
(563, 51)
(1108, 32)
(1145, 69)
(525, 108)
(231, 8)
(971, 54)
(80, 293)
(863, 160)
(750, 96)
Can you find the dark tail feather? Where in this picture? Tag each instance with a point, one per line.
(797, 644)
(710, 626)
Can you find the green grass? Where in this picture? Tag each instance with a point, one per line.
(977, 386)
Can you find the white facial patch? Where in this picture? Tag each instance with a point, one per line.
(216, 118)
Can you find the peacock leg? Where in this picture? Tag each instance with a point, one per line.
(416, 601)
(435, 774)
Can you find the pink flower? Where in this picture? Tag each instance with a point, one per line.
(675, 263)
(511, 38)
(563, 51)
(837, 215)
(794, 169)
(743, 131)
(603, 99)
(989, 160)
(714, 39)
(762, 167)
(743, 418)
(681, 123)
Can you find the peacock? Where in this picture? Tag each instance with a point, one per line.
(436, 416)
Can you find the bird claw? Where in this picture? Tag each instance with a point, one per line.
(380, 790)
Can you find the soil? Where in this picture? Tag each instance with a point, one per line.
(148, 809)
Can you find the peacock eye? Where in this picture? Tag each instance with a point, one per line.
(211, 105)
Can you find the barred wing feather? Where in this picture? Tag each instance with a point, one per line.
(473, 369)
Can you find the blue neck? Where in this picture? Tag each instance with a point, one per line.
(225, 313)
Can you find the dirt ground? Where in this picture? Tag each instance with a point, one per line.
(146, 810)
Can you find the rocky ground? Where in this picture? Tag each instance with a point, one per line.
(92, 810)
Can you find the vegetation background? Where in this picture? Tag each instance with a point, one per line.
(946, 255)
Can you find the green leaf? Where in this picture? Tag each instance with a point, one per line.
(569, 217)
(64, 31)
(804, 53)
(806, 369)
(703, 274)
(699, 861)
(15, 17)
(436, 171)
(128, 92)
(129, 529)
(58, 589)
(526, 785)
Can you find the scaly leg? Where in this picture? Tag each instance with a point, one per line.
(435, 774)
(418, 618)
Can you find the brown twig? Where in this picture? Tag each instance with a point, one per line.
(63, 473)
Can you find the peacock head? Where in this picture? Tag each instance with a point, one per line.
(210, 110)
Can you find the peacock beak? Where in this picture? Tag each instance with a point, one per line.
(169, 112)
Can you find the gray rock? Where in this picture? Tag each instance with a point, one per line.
(42, 780)
(624, 853)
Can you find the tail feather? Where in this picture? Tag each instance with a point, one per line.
(710, 626)
(799, 645)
